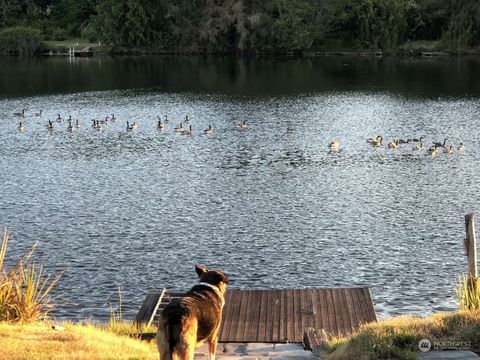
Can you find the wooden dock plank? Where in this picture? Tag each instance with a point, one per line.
(280, 315)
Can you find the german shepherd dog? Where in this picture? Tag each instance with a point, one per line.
(193, 319)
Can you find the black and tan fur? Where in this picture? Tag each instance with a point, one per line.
(193, 319)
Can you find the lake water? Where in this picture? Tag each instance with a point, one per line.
(272, 208)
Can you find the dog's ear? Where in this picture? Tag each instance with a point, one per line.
(201, 270)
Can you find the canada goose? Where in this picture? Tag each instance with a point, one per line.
(243, 124)
(393, 144)
(334, 145)
(439, 144)
(70, 127)
(21, 114)
(160, 125)
(208, 130)
(179, 128)
(166, 119)
(187, 120)
(373, 139)
(20, 126)
(59, 118)
(290, 130)
(188, 132)
(418, 147)
(449, 150)
(39, 113)
(401, 141)
(420, 139)
(432, 151)
(377, 142)
(461, 147)
(113, 118)
(131, 127)
(77, 125)
(50, 125)
(104, 121)
(97, 125)
(94, 123)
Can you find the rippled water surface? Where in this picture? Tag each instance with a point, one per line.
(271, 207)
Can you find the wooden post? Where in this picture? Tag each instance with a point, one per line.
(471, 245)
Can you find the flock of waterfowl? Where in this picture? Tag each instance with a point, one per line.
(333, 146)
(183, 127)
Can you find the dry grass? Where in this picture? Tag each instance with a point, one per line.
(39, 341)
(398, 338)
(24, 288)
(468, 293)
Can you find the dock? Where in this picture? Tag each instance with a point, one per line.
(279, 316)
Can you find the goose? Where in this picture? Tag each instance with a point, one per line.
(20, 126)
(94, 123)
(449, 150)
(420, 139)
(166, 119)
(77, 125)
(179, 128)
(418, 147)
(393, 144)
(160, 125)
(21, 114)
(334, 145)
(208, 130)
(104, 121)
(131, 127)
(461, 147)
(50, 125)
(39, 113)
(290, 130)
(432, 151)
(70, 127)
(401, 141)
(59, 118)
(439, 144)
(377, 142)
(188, 132)
(187, 120)
(243, 124)
(113, 118)
(373, 139)
(97, 125)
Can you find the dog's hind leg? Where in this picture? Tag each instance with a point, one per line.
(212, 348)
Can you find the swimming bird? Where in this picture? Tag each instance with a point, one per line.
(393, 144)
(104, 121)
(432, 151)
(113, 118)
(449, 150)
(208, 130)
(131, 127)
(160, 125)
(50, 125)
(77, 125)
(420, 139)
(97, 125)
(59, 118)
(377, 142)
(334, 145)
(20, 126)
(418, 147)
(179, 128)
(21, 114)
(187, 120)
(401, 141)
(243, 124)
(166, 119)
(38, 113)
(188, 132)
(439, 144)
(461, 147)
(70, 127)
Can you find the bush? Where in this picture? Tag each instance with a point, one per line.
(24, 289)
(19, 40)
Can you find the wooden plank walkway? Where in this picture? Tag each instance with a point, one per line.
(280, 316)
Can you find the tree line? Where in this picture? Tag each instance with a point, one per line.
(249, 26)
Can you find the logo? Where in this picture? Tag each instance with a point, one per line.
(424, 345)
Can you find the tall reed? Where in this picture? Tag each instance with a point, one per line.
(468, 292)
(24, 288)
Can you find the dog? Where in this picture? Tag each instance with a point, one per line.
(193, 319)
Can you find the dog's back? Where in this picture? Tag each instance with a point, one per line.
(191, 320)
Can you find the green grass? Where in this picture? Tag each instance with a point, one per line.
(69, 42)
(398, 338)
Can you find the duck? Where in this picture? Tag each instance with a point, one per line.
(208, 130)
(377, 142)
(160, 125)
(461, 147)
(449, 150)
(179, 128)
(393, 144)
(432, 151)
(20, 127)
(188, 132)
(21, 114)
(439, 144)
(420, 139)
(334, 145)
(38, 113)
(50, 125)
(243, 124)
(418, 147)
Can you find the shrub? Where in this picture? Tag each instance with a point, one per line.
(24, 289)
(19, 40)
